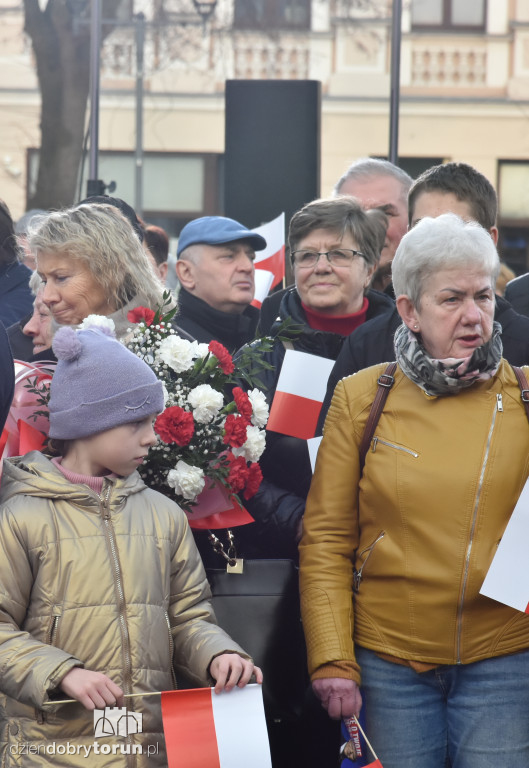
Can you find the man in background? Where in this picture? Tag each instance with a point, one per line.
(380, 184)
(447, 188)
(215, 268)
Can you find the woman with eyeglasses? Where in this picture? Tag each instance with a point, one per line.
(335, 247)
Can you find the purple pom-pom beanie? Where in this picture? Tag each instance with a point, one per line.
(98, 384)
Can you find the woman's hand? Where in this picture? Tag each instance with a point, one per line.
(230, 669)
(340, 697)
(92, 689)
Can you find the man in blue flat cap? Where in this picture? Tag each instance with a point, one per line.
(215, 268)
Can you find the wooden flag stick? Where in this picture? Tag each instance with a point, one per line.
(126, 696)
(365, 737)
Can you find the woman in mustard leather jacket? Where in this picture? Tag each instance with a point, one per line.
(393, 558)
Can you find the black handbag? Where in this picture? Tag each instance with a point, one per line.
(257, 603)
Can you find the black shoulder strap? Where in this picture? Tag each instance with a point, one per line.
(524, 387)
(385, 382)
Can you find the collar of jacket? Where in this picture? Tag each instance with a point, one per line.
(35, 475)
(232, 330)
(309, 339)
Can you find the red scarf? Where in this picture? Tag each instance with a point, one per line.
(341, 324)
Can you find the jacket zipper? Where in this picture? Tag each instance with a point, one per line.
(358, 574)
(377, 440)
(55, 618)
(109, 529)
(497, 409)
(40, 715)
(171, 650)
(125, 638)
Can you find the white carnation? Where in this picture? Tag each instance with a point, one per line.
(201, 350)
(254, 446)
(98, 321)
(186, 480)
(206, 402)
(259, 407)
(177, 353)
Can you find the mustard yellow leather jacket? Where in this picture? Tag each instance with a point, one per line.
(113, 583)
(420, 526)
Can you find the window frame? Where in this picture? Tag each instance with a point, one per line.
(273, 17)
(446, 24)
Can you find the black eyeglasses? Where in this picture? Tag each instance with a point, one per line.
(338, 257)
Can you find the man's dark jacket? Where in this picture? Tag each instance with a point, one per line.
(517, 293)
(16, 299)
(204, 323)
(279, 503)
(374, 344)
(7, 379)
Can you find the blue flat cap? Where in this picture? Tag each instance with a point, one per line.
(216, 230)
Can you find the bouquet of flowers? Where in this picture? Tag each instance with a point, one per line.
(211, 431)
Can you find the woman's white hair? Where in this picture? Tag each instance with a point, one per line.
(445, 242)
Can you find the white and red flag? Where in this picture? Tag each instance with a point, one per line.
(263, 282)
(507, 579)
(204, 729)
(300, 391)
(272, 259)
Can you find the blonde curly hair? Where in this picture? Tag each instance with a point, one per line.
(104, 240)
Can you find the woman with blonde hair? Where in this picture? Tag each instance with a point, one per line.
(91, 262)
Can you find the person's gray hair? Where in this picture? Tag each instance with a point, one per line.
(341, 215)
(368, 167)
(444, 242)
(35, 283)
(104, 240)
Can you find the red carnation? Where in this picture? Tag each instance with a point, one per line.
(242, 401)
(235, 430)
(238, 474)
(141, 314)
(255, 477)
(175, 425)
(223, 356)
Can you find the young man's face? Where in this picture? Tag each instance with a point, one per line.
(433, 203)
(220, 275)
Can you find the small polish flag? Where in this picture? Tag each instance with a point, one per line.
(263, 283)
(226, 730)
(507, 579)
(272, 258)
(299, 394)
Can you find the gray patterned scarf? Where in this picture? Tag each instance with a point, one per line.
(446, 377)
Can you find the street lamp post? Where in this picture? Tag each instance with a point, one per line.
(95, 186)
(395, 83)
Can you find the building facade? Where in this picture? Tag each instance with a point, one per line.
(464, 95)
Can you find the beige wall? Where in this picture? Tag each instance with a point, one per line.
(479, 125)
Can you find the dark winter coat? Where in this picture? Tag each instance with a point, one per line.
(16, 299)
(204, 323)
(279, 504)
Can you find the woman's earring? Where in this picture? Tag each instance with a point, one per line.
(415, 327)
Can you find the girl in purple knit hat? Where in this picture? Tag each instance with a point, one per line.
(102, 591)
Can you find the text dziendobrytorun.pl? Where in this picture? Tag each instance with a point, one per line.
(82, 749)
